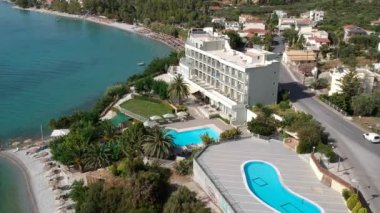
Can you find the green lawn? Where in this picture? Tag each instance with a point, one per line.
(146, 106)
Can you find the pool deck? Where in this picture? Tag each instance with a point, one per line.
(223, 163)
(216, 124)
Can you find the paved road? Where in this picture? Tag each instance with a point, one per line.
(362, 156)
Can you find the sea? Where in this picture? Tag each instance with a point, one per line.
(52, 66)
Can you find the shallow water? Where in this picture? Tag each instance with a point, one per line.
(50, 66)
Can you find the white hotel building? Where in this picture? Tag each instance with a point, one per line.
(229, 80)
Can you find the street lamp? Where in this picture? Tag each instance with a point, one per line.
(313, 149)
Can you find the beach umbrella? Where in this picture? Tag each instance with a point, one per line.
(182, 114)
(150, 124)
(155, 118)
(169, 115)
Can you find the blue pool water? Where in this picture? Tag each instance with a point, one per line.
(193, 136)
(265, 183)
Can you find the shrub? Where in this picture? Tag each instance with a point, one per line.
(362, 210)
(207, 140)
(184, 167)
(328, 152)
(351, 201)
(184, 200)
(230, 134)
(346, 194)
(262, 125)
(357, 207)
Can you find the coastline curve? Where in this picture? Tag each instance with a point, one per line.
(26, 175)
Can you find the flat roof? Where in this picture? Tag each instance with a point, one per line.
(223, 163)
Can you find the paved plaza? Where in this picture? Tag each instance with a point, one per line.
(223, 164)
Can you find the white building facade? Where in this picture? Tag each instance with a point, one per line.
(229, 79)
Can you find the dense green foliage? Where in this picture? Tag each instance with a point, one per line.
(235, 40)
(145, 191)
(366, 104)
(262, 125)
(149, 86)
(184, 201)
(230, 134)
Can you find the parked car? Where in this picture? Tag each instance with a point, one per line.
(372, 137)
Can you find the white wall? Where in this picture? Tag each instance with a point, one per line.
(211, 190)
(263, 84)
(251, 115)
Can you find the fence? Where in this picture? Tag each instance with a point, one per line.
(333, 106)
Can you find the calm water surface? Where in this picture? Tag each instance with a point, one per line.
(50, 66)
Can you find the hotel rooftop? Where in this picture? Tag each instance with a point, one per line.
(222, 165)
(215, 44)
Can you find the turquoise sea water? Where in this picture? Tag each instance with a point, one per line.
(264, 182)
(50, 66)
(192, 136)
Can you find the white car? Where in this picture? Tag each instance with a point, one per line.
(372, 137)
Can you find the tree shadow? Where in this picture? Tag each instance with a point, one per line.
(296, 90)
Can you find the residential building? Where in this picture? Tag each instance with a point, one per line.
(218, 20)
(314, 15)
(303, 62)
(375, 22)
(370, 81)
(229, 79)
(258, 24)
(285, 23)
(352, 30)
(316, 39)
(245, 18)
(280, 13)
(232, 25)
(301, 23)
(249, 33)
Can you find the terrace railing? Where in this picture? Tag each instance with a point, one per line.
(133, 115)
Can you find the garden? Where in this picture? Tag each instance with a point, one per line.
(147, 106)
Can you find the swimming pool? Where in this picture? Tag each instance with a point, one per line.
(192, 136)
(265, 183)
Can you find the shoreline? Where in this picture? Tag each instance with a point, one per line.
(43, 196)
(26, 175)
(170, 41)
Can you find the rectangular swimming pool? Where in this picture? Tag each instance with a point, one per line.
(192, 136)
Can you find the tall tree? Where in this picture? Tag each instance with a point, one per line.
(132, 140)
(350, 85)
(158, 143)
(179, 89)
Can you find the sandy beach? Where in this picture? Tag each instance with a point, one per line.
(45, 196)
(170, 41)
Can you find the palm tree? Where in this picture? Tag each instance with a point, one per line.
(178, 89)
(158, 143)
(96, 157)
(132, 140)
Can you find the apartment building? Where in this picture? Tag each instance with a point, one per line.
(370, 81)
(314, 15)
(229, 79)
(351, 31)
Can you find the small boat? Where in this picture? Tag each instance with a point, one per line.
(141, 64)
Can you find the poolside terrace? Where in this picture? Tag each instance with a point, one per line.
(222, 165)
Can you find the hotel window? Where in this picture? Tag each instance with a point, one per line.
(233, 82)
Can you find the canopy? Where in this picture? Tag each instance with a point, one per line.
(169, 115)
(150, 124)
(155, 118)
(59, 132)
(182, 114)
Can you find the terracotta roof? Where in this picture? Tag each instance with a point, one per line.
(215, 8)
(301, 55)
(353, 28)
(303, 21)
(320, 40)
(375, 22)
(255, 30)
